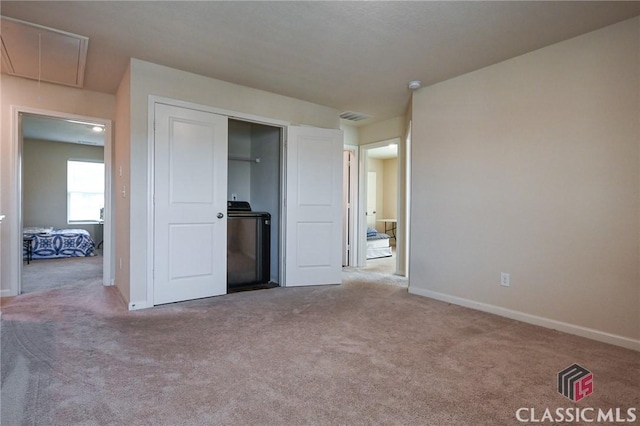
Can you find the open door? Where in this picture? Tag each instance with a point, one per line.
(190, 195)
(313, 206)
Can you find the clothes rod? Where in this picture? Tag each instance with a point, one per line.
(253, 160)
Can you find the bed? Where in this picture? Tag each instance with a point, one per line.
(377, 244)
(49, 243)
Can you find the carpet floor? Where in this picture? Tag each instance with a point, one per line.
(364, 352)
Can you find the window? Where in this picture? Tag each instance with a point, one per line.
(85, 191)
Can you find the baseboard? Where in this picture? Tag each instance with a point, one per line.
(577, 330)
(134, 306)
(6, 293)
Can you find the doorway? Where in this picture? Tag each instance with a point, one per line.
(380, 241)
(254, 188)
(63, 200)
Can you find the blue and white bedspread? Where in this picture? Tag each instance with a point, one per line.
(60, 243)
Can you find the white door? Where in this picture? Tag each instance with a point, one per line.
(313, 206)
(190, 223)
(372, 198)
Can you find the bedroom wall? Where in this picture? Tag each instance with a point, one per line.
(43, 96)
(390, 185)
(44, 186)
(531, 167)
(151, 79)
(376, 165)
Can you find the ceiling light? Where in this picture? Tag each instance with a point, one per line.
(88, 123)
(415, 84)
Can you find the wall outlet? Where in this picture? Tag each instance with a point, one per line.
(505, 279)
(234, 197)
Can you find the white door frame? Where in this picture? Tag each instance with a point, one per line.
(353, 217)
(362, 218)
(152, 100)
(108, 255)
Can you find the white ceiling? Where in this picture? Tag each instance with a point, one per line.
(384, 152)
(347, 55)
(59, 130)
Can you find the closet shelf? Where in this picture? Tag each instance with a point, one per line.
(252, 160)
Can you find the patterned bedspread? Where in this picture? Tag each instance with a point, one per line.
(61, 243)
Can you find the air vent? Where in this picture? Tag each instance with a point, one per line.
(41, 53)
(354, 116)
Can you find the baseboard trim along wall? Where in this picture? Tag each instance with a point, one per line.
(577, 330)
(134, 306)
(6, 293)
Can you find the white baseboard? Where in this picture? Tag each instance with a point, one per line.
(134, 306)
(6, 293)
(577, 330)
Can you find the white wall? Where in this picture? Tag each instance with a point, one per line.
(44, 183)
(239, 172)
(390, 185)
(376, 165)
(25, 93)
(382, 130)
(531, 167)
(122, 185)
(151, 79)
(266, 184)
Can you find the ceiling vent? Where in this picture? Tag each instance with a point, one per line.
(354, 116)
(43, 54)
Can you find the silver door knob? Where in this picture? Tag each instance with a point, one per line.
(220, 215)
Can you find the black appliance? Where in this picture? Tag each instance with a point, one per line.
(248, 246)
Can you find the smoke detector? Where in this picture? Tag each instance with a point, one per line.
(415, 84)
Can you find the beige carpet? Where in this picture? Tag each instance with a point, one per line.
(365, 352)
(46, 274)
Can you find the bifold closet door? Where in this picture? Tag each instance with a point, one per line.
(313, 206)
(190, 213)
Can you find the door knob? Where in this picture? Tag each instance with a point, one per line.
(220, 215)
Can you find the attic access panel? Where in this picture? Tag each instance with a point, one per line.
(41, 53)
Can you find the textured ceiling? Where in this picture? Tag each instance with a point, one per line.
(59, 130)
(355, 56)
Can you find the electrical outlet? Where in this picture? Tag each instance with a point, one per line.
(234, 197)
(505, 279)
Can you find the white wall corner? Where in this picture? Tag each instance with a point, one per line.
(577, 330)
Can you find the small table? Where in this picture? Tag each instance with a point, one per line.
(390, 226)
(27, 244)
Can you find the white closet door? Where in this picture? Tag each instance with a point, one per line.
(190, 223)
(313, 206)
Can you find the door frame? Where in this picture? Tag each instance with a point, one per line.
(108, 269)
(151, 102)
(362, 218)
(353, 216)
